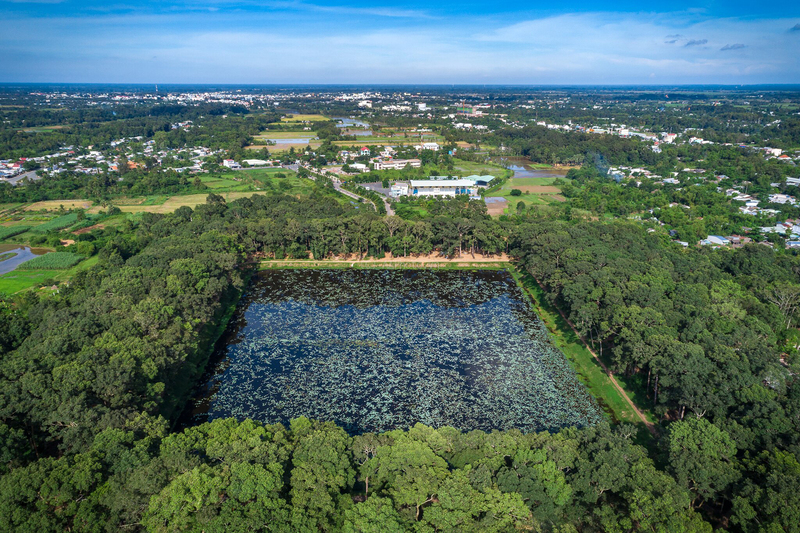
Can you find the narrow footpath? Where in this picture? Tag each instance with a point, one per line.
(649, 425)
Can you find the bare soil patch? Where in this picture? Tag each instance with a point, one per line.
(466, 257)
(88, 229)
(496, 208)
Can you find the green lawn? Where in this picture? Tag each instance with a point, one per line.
(527, 182)
(468, 168)
(540, 197)
(588, 369)
(410, 212)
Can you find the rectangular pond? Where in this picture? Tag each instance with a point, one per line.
(375, 350)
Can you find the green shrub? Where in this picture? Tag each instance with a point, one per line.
(52, 261)
(516, 192)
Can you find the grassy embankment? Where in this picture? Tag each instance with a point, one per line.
(586, 366)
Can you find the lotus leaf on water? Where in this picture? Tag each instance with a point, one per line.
(375, 350)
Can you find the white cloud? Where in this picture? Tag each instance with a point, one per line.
(286, 48)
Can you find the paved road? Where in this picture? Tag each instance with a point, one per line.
(337, 185)
(29, 175)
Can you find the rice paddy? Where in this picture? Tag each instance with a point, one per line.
(375, 350)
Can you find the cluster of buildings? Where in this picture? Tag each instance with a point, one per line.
(10, 169)
(717, 241)
(789, 229)
(385, 160)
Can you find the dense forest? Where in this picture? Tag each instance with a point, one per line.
(92, 380)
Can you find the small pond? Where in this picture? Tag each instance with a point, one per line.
(350, 122)
(525, 168)
(357, 133)
(298, 140)
(375, 350)
(21, 255)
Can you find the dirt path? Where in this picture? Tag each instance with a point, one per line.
(431, 259)
(650, 426)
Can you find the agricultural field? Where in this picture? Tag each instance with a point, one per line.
(375, 350)
(52, 261)
(172, 203)
(304, 118)
(535, 191)
(20, 280)
(11, 231)
(286, 135)
(57, 223)
(53, 205)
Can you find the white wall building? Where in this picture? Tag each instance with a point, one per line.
(397, 164)
(442, 187)
(399, 189)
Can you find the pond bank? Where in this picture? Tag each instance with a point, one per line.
(426, 261)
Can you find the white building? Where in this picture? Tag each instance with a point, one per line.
(442, 187)
(399, 189)
(430, 146)
(397, 164)
(230, 163)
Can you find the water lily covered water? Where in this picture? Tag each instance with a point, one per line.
(375, 350)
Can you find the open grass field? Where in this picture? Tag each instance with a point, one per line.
(471, 167)
(304, 118)
(535, 191)
(174, 202)
(54, 205)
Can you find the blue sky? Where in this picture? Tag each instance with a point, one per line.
(284, 41)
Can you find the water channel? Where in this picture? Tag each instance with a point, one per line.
(23, 254)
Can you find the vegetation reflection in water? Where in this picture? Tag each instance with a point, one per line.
(375, 350)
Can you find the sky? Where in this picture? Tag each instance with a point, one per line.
(400, 42)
